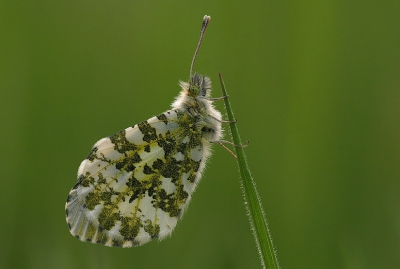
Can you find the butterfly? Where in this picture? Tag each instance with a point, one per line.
(135, 185)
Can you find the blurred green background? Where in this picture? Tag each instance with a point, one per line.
(315, 86)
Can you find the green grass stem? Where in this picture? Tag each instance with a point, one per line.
(252, 200)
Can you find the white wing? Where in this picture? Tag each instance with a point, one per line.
(136, 184)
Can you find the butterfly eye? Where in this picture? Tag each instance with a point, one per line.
(194, 90)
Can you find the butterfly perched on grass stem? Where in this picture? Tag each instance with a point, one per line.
(135, 185)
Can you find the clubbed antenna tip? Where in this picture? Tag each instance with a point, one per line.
(206, 21)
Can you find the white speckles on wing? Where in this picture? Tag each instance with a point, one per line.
(93, 215)
(133, 136)
(186, 139)
(119, 184)
(103, 143)
(114, 231)
(197, 153)
(164, 126)
(187, 185)
(179, 156)
(167, 185)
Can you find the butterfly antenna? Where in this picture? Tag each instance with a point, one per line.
(206, 21)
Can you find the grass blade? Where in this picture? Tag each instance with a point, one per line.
(258, 221)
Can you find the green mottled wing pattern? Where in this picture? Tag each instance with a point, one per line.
(136, 184)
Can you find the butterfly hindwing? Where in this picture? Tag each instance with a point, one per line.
(135, 185)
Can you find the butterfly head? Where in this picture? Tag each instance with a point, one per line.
(195, 93)
(198, 86)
